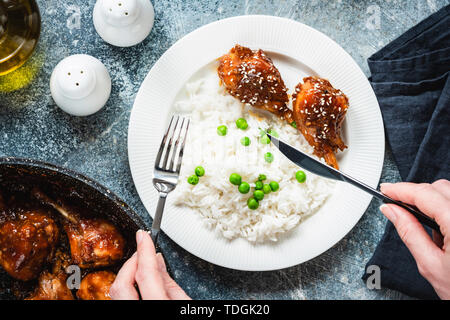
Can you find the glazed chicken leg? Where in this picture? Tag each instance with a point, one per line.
(318, 111)
(93, 242)
(27, 243)
(96, 285)
(52, 287)
(251, 77)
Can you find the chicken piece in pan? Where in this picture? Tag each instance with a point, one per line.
(96, 285)
(27, 243)
(52, 287)
(318, 111)
(93, 242)
(250, 76)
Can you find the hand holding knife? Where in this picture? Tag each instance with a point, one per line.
(309, 163)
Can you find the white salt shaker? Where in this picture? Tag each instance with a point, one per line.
(80, 85)
(123, 23)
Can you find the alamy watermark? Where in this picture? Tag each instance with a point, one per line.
(374, 279)
(74, 279)
(373, 22)
(74, 20)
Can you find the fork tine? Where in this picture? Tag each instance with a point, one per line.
(176, 147)
(163, 144)
(170, 145)
(180, 157)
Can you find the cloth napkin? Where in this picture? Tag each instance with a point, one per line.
(410, 77)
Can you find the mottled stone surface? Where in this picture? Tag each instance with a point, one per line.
(32, 126)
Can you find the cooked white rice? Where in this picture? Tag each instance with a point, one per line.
(220, 204)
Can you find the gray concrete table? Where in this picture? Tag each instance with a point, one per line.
(32, 126)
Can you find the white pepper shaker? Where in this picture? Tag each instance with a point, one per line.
(123, 23)
(80, 85)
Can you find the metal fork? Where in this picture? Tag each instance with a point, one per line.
(167, 167)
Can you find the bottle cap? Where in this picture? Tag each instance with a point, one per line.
(123, 23)
(80, 85)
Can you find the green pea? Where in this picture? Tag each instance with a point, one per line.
(244, 187)
(264, 139)
(258, 185)
(262, 177)
(241, 123)
(300, 176)
(199, 171)
(252, 203)
(294, 124)
(222, 130)
(261, 132)
(258, 194)
(235, 179)
(193, 180)
(273, 133)
(274, 186)
(245, 141)
(268, 157)
(266, 188)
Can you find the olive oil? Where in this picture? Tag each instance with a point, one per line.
(20, 25)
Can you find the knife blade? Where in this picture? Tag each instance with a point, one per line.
(307, 162)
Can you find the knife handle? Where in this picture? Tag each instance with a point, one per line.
(424, 219)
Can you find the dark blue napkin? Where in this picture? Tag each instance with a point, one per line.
(410, 77)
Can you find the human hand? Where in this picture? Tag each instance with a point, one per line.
(148, 270)
(432, 255)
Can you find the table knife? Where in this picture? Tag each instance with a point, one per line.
(315, 166)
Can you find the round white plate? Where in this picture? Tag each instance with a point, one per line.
(297, 50)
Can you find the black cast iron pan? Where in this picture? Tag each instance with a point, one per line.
(19, 176)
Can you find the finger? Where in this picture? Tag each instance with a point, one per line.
(173, 289)
(412, 233)
(424, 197)
(123, 286)
(148, 276)
(442, 186)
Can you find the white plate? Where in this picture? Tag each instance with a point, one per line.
(297, 50)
